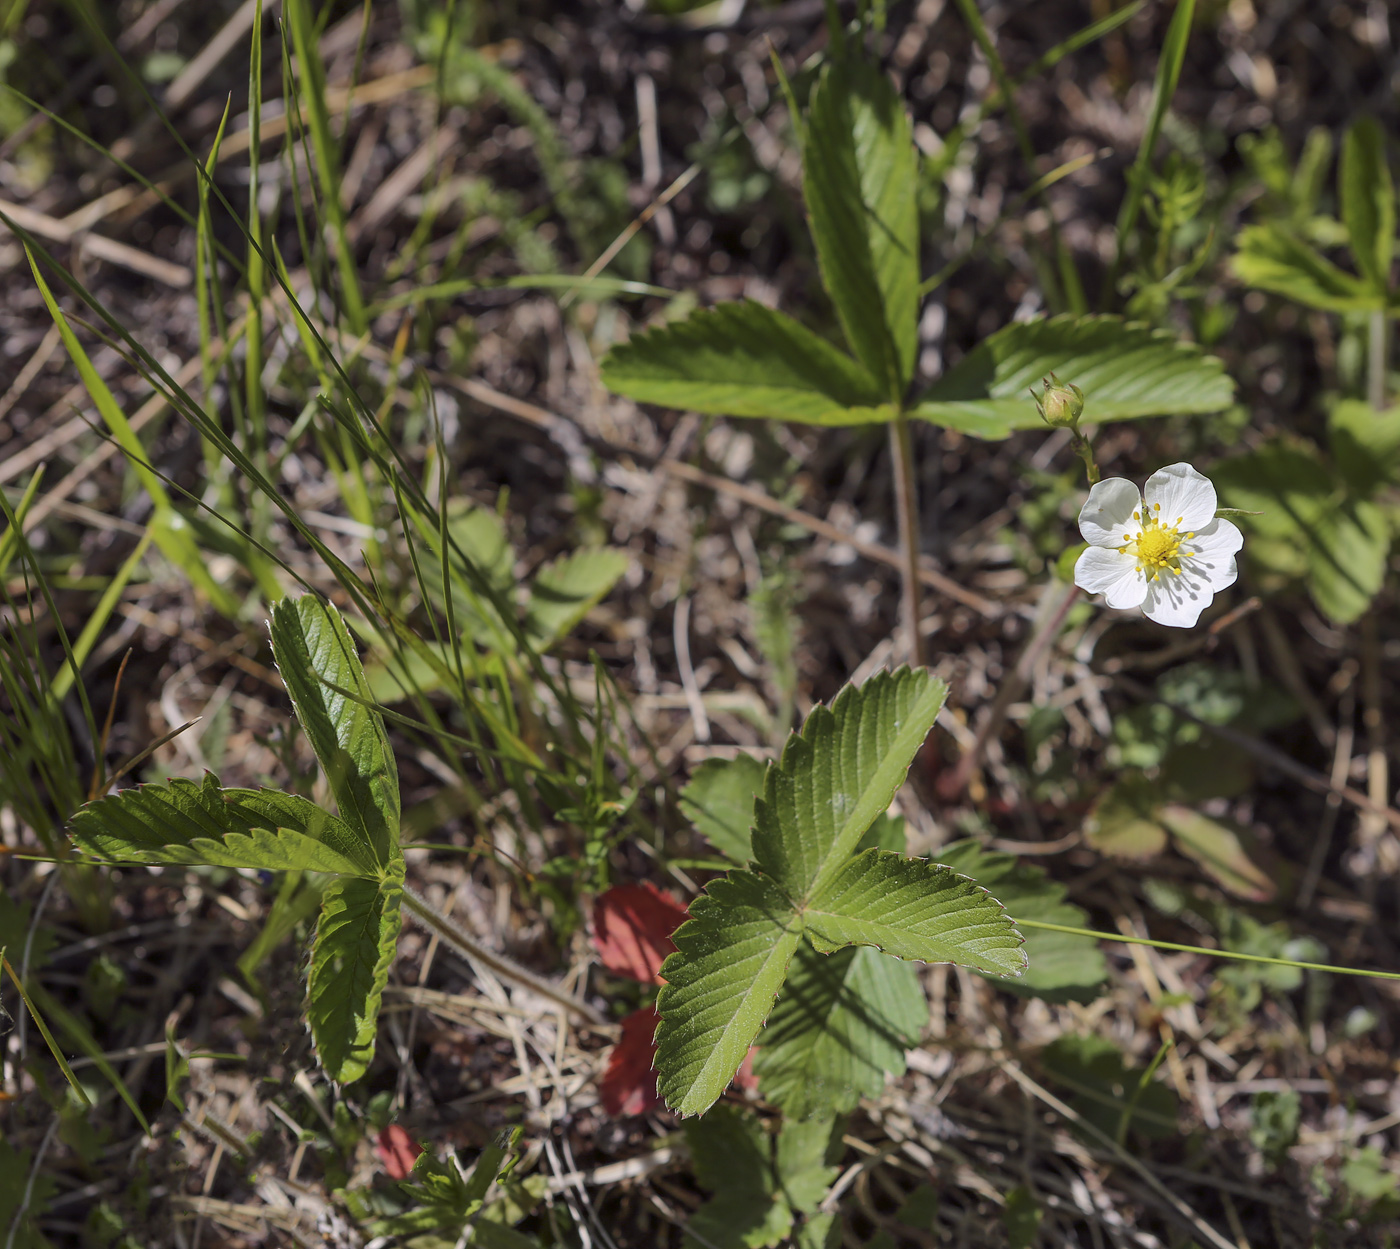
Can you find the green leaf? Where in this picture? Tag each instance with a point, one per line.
(563, 591)
(822, 797)
(916, 910)
(806, 1156)
(355, 941)
(838, 774)
(480, 570)
(1219, 848)
(843, 1022)
(170, 530)
(1365, 445)
(742, 359)
(732, 1156)
(860, 180)
(1125, 370)
(1368, 202)
(1340, 544)
(732, 956)
(1273, 258)
(1062, 966)
(1123, 822)
(312, 646)
(1348, 549)
(719, 802)
(1287, 482)
(185, 822)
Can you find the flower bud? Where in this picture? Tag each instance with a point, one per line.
(1060, 405)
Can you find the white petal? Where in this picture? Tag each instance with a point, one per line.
(1187, 498)
(1210, 555)
(1178, 599)
(1107, 510)
(1113, 574)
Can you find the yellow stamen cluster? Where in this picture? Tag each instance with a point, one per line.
(1156, 546)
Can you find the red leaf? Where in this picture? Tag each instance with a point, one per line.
(632, 927)
(744, 1078)
(397, 1150)
(628, 1086)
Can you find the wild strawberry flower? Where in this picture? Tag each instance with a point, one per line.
(1165, 550)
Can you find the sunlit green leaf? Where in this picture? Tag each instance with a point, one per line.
(1062, 966)
(860, 181)
(563, 591)
(843, 1022)
(1125, 370)
(185, 822)
(312, 648)
(742, 359)
(355, 941)
(719, 802)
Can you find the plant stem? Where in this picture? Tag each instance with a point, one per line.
(1376, 360)
(907, 506)
(468, 947)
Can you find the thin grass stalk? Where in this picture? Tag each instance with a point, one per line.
(906, 500)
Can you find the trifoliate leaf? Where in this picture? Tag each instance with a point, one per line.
(1062, 967)
(355, 942)
(732, 1156)
(842, 1023)
(312, 647)
(820, 799)
(838, 774)
(563, 591)
(719, 802)
(860, 181)
(1125, 370)
(914, 909)
(732, 956)
(742, 359)
(185, 822)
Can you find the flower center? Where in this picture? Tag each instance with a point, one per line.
(1156, 546)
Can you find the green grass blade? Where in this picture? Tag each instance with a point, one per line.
(312, 647)
(39, 1022)
(313, 84)
(1168, 74)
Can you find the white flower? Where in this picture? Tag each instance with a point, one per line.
(1165, 551)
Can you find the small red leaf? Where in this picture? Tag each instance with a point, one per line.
(744, 1078)
(628, 1086)
(397, 1150)
(632, 927)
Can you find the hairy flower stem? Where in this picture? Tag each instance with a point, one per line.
(469, 948)
(1084, 449)
(1376, 360)
(906, 500)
